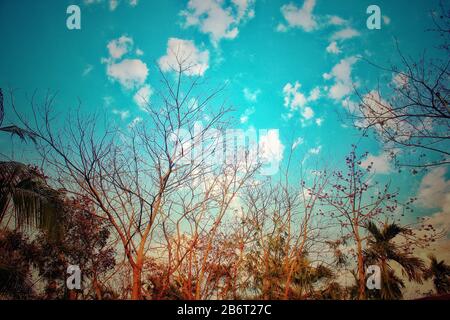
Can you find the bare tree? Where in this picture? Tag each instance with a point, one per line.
(135, 176)
(412, 115)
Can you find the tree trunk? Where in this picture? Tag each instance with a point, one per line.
(137, 283)
(361, 273)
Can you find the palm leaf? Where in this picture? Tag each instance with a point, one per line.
(35, 203)
(390, 231)
(23, 134)
(374, 231)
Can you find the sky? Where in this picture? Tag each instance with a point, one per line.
(289, 65)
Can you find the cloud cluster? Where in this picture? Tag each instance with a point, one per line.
(112, 4)
(295, 100)
(341, 74)
(298, 17)
(251, 96)
(434, 190)
(130, 72)
(216, 18)
(184, 54)
(380, 164)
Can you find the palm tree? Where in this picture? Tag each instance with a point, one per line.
(440, 272)
(34, 203)
(382, 251)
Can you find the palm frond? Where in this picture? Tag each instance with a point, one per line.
(391, 230)
(374, 231)
(35, 203)
(23, 134)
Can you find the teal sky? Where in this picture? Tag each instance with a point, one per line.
(268, 52)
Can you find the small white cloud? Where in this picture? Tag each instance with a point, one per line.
(319, 121)
(247, 113)
(294, 99)
(87, 70)
(130, 73)
(400, 80)
(108, 100)
(314, 94)
(119, 47)
(344, 34)
(194, 61)
(112, 4)
(217, 18)
(123, 114)
(341, 73)
(434, 190)
(307, 113)
(299, 17)
(380, 164)
(251, 96)
(142, 96)
(327, 76)
(336, 21)
(333, 48)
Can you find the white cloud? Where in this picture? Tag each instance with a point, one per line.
(314, 94)
(434, 190)
(130, 73)
(294, 99)
(112, 4)
(194, 61)
(87, 70)
(119, 47)
(380, 164)
(400, 80)
(247, 113)
(251, 96)
(298, 17)
(142, 96)
(333, 48)
(270, 147)
(217, 19)
(344, 34)
(123, 114)
(341, 73)
(350, 105)
(434, 193)
(307, 113)
(336, 21)
(319, 121)
(327, 76)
